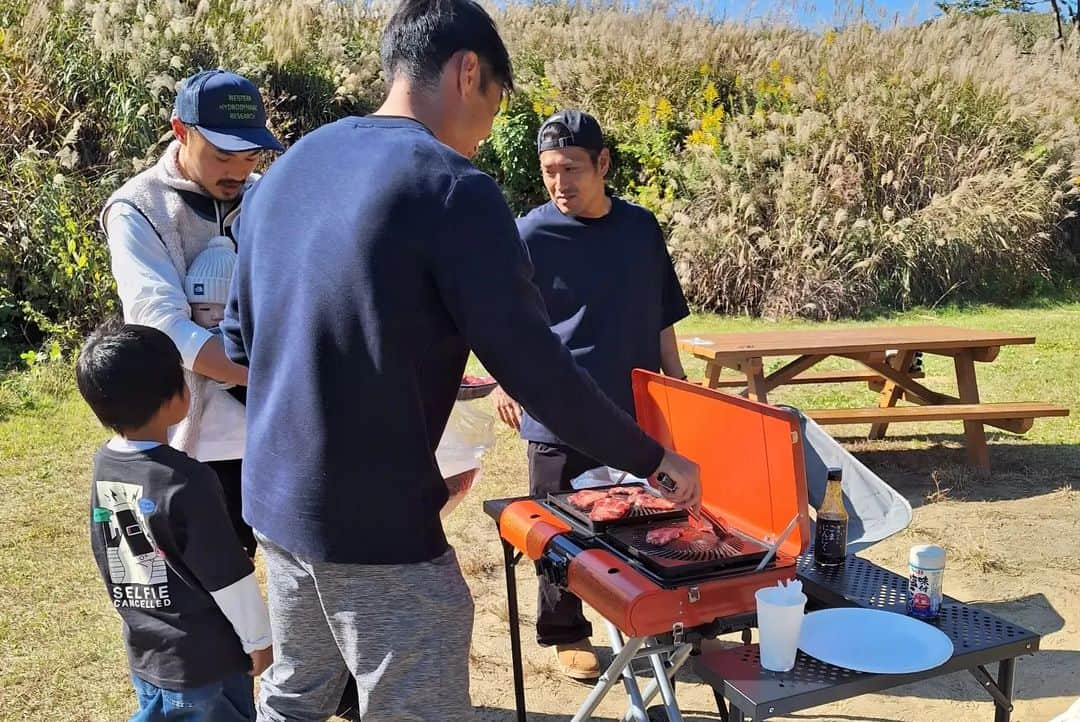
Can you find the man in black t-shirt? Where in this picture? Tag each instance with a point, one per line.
(195, 624)
(605, 275)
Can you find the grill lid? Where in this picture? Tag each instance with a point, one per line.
(750, 454)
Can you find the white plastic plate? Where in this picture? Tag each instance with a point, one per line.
(873, 640)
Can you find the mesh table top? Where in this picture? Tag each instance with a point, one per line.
(979, 638)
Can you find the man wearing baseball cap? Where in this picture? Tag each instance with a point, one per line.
(158, 222)
(605, 275)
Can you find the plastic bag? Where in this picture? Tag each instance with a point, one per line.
(470, 432)
(604, 476)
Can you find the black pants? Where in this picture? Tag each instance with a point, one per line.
(559, 619)
(228, 473)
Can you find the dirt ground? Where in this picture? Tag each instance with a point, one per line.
(1014, 549)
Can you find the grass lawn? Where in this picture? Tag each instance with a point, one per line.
(61, 656)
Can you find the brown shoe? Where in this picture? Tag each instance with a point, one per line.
(578, 660)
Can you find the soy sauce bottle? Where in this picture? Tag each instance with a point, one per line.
(830, 538)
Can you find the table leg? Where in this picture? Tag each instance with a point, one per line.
(736, 714)
(515, 630)
(974, 433)
(891, 392)
(712, 374)
(755, 380)
(1006, 669)
(721, 706)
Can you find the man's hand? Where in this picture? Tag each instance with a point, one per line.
(260, 660)
(509, 410)
(686, 476)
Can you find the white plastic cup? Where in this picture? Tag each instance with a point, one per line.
(780, 615)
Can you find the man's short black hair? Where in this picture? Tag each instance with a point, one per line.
(127, 372)
(422, 36)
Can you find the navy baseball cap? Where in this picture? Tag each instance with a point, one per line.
(570, 128)
(227, 109)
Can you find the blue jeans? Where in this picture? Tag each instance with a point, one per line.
(231, 700)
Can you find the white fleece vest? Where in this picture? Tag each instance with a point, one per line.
(158, 194)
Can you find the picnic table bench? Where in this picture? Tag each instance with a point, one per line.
(886, 354)
(979, 639)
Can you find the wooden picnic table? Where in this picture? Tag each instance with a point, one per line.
(886, 354)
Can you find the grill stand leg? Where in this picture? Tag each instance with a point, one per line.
(678, 659)
(608, 678)
(637, 711)
(510, 560)
(666, 692)
(1006, 669)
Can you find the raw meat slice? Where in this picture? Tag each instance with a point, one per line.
(664, 535)
(698, 540)
(585, 499)
(652, 503)
(630, 490)
(609, 508)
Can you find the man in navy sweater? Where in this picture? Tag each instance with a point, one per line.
(612, 295)
(373, 256)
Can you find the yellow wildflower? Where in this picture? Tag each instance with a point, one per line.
(704, 69)
(643, 115)
(710, 93)
(774, 66)
(829, 38)
(664, 111)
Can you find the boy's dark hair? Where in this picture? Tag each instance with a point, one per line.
(422, 35)
(127, 372)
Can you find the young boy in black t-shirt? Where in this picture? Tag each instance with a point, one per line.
(195, 624)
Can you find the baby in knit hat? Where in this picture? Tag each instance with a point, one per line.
(207, 282)
(207, 288)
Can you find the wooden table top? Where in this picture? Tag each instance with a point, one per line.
(838, 341)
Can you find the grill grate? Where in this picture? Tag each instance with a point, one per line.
(689, 551)
(561, 502)
(680, 560)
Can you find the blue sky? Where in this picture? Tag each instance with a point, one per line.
(821, 14)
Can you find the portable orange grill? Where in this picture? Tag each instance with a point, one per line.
(666, 598)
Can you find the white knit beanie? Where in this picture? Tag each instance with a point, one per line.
(208, 276)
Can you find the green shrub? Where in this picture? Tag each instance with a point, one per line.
(796, 173)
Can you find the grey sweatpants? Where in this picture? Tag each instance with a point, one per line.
(402, 631)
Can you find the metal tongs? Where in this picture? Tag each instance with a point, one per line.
(668, 484)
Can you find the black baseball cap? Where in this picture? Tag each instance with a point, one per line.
(227, 109)
(570, 128)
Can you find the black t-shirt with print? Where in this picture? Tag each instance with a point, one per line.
(163, 541)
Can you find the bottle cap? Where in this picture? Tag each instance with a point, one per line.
(927, 556)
